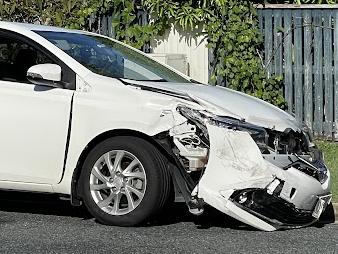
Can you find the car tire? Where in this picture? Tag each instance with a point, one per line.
(125, 181)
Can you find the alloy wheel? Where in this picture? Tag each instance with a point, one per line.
(118, 182)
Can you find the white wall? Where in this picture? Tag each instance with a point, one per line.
(178, 42)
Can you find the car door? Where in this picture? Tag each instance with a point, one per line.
(34, 120)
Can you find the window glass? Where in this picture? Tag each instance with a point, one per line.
(16, 58)
(109, 58)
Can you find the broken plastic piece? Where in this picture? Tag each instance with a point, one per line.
(272, 186)
(196, 206)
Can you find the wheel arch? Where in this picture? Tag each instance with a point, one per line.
(75, 193)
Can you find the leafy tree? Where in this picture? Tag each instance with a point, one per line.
(58, 12)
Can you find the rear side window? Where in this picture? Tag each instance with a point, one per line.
(16, 58)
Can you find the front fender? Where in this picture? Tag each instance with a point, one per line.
(92, 117)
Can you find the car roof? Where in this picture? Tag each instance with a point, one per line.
(36, 27)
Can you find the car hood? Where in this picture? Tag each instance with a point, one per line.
(228, 102)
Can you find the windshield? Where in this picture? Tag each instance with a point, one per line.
(109, 58)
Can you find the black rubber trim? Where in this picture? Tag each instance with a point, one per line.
(265, 214)
(68, 137)
(182, 180)
(158, 90)
(275, 223)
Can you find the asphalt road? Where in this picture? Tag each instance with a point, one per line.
(44, 224)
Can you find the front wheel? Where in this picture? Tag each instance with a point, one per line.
(124, 181)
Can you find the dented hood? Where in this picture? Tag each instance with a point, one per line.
(227, 102)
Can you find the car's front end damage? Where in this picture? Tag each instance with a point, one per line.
(262, 177)
(265, 172)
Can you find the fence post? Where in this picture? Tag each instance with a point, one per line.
(278, 49)
(328, 84)
(318, 66)
(268, 39)
(298, 38)
(288, 71)
(308, 64)
(335, 53)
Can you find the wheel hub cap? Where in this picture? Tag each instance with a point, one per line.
(117, 183)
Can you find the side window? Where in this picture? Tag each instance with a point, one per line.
(16, 58)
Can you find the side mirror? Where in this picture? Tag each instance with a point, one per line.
(45, 75)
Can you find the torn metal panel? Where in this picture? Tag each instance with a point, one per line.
(235, 162)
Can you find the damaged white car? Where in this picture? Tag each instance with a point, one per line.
(92, 119)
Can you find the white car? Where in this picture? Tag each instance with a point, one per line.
(87, 117)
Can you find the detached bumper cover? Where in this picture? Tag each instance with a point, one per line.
(239, 182)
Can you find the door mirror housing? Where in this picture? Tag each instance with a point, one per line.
(45, 75)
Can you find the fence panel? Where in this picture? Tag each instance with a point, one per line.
(278, 40)
(328, 85)
(268, 40)
(335, 72)
(318, 84)
(298, 62)
(288, 71)
(308, 62)
(306, 37)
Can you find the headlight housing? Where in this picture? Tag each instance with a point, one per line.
(200, 118)
(258, 134)
(197, 117)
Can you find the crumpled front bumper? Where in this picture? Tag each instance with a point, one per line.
(239, 182)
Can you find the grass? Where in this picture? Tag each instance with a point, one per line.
(330, 150)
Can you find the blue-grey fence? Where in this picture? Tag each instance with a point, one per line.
(301, 44)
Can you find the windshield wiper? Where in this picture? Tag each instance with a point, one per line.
(152, 80)
(159, 90)
(196, 82)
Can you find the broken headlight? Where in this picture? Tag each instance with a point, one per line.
(314, 167)
(199, 118)
(323, 173)
(258, 134)
(196, 117)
